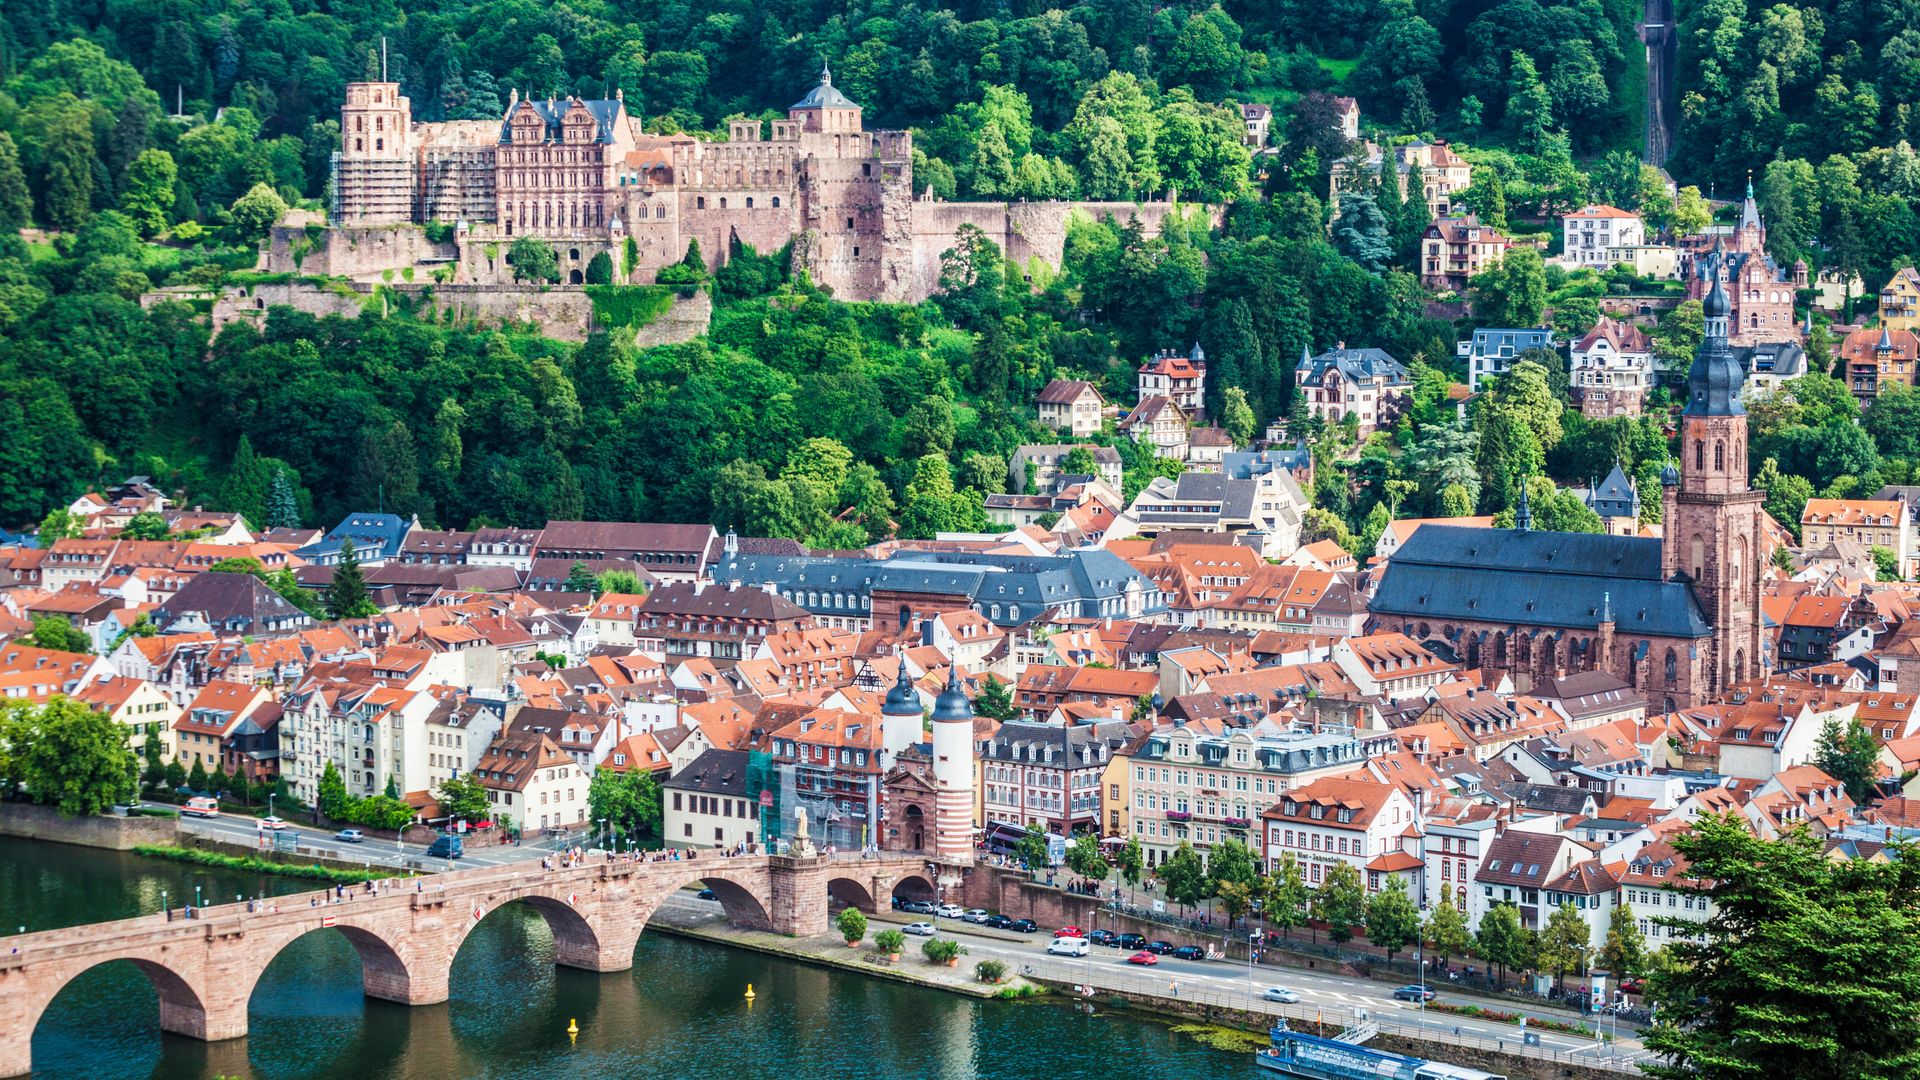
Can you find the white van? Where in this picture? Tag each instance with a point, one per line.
(1069, 946)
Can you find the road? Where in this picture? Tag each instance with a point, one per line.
(1337, 998)
(236, 829)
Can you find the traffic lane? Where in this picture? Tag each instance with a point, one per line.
(373, 850)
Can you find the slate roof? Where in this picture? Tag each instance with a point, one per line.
(714, 772)
(231, 603)
(1531, 578)
(374, 536)
(1063, 391)
(824, 95)
(553, 111)
(1028, 583)
(1615, 497)
(1356, 365)
(1782, 359)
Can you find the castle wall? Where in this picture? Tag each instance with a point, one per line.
(561, 313)
(350, 251)
(1023, 230)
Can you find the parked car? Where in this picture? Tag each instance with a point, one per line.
(949, 911)
(919, 907)
(1068, 946)
(1103, 937)
(1160, 947)
(998, 922)
(201, 806)
(1023, 926)
(350, 836)
(1189, 952)
(1130, 941)
(1143, 958)
(975, 915)
(924, 929)
(1413, 992)
(1069, 931)
(1280, 994)
(272, 824)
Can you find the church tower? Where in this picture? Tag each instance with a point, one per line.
(1712, 532)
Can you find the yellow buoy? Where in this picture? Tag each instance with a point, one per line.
(573, 1029)
(749, 991)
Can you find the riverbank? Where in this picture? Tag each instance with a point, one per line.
(1207, 1013)
(255, 864)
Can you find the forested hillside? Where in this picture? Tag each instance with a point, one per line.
(149, 144)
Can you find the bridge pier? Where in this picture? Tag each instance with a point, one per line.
(798, 904)
(589, 954)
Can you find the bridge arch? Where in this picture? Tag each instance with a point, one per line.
(743, 908)
(182, 1005)
(852, 892)
(914, 886)
(389, 971)
(576, 943)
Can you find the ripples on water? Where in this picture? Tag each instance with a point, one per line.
(678, 1012)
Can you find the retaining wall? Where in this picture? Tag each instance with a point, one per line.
(113, 833)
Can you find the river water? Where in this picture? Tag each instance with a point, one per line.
(679, 1012)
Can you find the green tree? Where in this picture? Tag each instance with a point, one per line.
(1851, 755)
(618, 581)
(1130, 860)
(995, 700)
(75, 758)
(1529, 107)
(1501, 939)
(1393, 922)
(1691, 214)
(197, 777)
(1806, 967)
(1445, 931)
(1625, 951)
(1513, 292)
(66, 195)
(1233, 874)
(581, 579)
(1032, 848)
(1360, 232)
(16, 201)
(629, 802)
(1563, 942)
(1287, 898)
(283, 510)
(146, 525)
(600, 269)
(153, 770)
(533, 259)
(1341, 902)
(256, 211)
(1085, 858)
(60, 524)
(334, 802)
(55, 632)
(146, 192)
(347, 596)
(1886, 563)
(463, 798)
(1184, 877)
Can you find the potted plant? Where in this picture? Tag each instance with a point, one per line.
(853, 926)
(889, 943)
(943, 951)
(989, 971)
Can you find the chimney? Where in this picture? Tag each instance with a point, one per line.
(733, 586)
(699, 586)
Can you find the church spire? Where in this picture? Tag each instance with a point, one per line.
(1523, 514)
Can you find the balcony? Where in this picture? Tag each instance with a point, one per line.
(1237, 822)
(1179, 815)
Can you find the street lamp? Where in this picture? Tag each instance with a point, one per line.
(1423, 986)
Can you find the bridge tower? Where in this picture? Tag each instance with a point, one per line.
(953, 775)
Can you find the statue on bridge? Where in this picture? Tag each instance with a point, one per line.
(802, 845)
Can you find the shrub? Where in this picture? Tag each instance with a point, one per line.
(889, 941)
(989, 971)
(941, 950)
(853, 925)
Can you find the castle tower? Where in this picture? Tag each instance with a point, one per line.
(953, 774)
(374, 179)
(825, 108)
(1712, 521)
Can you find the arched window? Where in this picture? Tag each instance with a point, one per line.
(1673, 668)
(379, 123)
(359, 144)
(1719, 456)
(1699, 453)
(776, 202)
(1697, 550)
(749, 202)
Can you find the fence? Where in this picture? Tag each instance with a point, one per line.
(1246, 1002)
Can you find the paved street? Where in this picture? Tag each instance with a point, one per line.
(235, 829)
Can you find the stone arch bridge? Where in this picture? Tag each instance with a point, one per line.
(205, 968)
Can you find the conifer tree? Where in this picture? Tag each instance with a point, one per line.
(283, 510)
(347, 594)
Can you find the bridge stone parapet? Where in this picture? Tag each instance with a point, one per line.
(407, 935)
